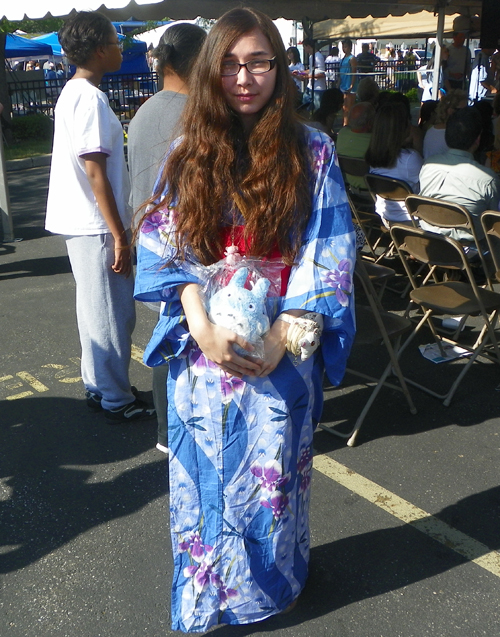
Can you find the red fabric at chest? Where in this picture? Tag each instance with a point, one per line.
(235, 235)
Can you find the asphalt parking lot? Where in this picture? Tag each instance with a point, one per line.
(405, 526)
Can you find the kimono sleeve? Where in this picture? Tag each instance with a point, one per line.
(322, 280)
(158, 275)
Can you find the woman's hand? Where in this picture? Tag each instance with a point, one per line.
(216, 343)
(274, 347)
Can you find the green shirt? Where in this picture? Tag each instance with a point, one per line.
(353, 145)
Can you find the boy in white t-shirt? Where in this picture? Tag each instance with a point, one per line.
(88, 202)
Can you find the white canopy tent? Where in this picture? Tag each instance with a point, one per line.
(314, 10)
(422, 24)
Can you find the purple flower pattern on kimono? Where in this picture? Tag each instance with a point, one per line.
(204, 571)
(273, 481)
(304, 468)
(341, 280)
(269, 475)
(202, 574)
(231, 386)
(277, 502)
(199, 364)
(225, 594)
(159, 222)
(195, 547)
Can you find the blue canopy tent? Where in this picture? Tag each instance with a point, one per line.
(134, 57)
(53, 41)
(131, 25)
(134, 53)
(18, 47)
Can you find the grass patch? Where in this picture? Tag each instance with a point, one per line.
(28, 148)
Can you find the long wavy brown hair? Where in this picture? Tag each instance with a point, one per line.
(216, 166)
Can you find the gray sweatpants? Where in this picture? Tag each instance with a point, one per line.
(105, 311)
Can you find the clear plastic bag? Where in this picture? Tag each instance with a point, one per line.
(234, 294)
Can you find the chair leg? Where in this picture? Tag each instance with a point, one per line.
(393, 366)
(354, 431)
(476, 352)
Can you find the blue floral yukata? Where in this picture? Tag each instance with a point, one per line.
(241, 450)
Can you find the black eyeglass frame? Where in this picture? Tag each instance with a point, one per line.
(118, 44)
(272, 64)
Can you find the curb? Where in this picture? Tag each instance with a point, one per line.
(14, 165)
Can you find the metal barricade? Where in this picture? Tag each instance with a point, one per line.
(125, 93)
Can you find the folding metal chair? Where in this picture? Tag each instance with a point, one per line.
(362, 205)
(387, 188)
(378, 274)
(390, 189)
(490, 221)
(450, 216)
(374, 324)
(357, 167)
(448, 298)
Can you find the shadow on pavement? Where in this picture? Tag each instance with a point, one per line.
(28, 195)
(44, 266)
(475, 401)
(368, 565)
(64, 471)
(6, 248)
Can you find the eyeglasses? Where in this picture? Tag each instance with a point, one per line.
(255, 67)
(118, 44)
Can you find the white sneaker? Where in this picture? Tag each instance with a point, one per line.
(162, 448)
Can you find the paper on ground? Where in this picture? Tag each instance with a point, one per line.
(432, 352)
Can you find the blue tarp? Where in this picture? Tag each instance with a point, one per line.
(19, 47)
(134, 54)
(131, 25)
(134, 57)
(53, 41)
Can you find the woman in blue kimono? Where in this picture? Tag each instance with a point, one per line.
(246, 180)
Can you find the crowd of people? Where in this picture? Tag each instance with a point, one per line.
(451, 156)
(457, 133)
(215, 203)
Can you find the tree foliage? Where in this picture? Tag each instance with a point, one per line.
(46, 25)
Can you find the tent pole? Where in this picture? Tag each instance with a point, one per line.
(5, 212)
(437, 52)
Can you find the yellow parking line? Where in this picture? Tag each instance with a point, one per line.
(23, 394)
(3, 378)
(31, 380)
(403, 510)
(137, 354)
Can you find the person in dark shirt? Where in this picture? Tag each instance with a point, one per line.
(366, 60)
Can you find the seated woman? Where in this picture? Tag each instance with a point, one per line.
(415, 137)
(387, 156)
(427, 116)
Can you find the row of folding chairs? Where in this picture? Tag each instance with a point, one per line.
(432, 296)
(432, 211)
